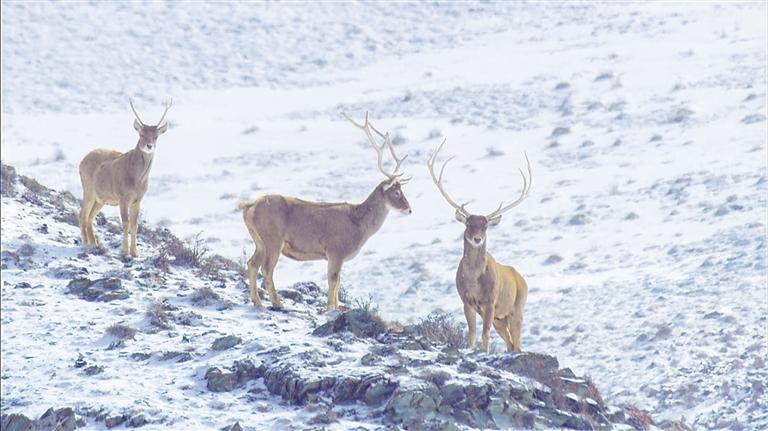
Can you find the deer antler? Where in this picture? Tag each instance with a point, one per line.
(438, 180)
(130, 100)
(168, 105)
(523, 194)
(367, 127)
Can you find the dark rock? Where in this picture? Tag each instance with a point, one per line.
(234, 427)
(578, 220)
(177, 355)
(468, 366)
(137, 421)
(525, 364)
(60, 420)
(226, 342)
(101, 290)
(93, 370)
(23, 285)
(113, 421)
(369, 359)
(80, 361)
(361, 322)
(560, 131)
(68, 272)
(242, 372)
(140, 356)
(15, 422)
(411, 404)
(291, 386)
(753, 118)
(563, 419)
(508, 414)
(553, 259)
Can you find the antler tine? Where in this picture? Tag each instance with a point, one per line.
(136, 114)
(398, 161)
(168, 105)
(388, 141)
(527, 182)
(367, 127)
(438, 180)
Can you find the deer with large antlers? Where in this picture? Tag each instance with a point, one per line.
(494, 291)
(335, 232)
(114, 178)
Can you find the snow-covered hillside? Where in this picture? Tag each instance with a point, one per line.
(172, 341)
(643, 241)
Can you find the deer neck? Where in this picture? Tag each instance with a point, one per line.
(371, 214)
(475, 258)
(140, 162)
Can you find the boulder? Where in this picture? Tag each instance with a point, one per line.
(101, 290)
(361, 322)
(226, 342)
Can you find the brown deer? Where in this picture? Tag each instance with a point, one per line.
(114, 178)
(497, 292)
(335, 232)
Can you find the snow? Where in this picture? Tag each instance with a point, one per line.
(664, 161)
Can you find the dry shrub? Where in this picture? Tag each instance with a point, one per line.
(158, 313)
(639, 419)
(593, 392)
(7, 180)
(204, 296)
(441, 328)
(121, 332)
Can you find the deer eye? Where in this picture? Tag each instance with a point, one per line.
(397, 193)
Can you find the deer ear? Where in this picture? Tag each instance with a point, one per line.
(162, 129)
(461, 217)
(494, 221)
(137, 125)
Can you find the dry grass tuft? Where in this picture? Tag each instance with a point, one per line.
(641, 420)
(121, 332)
(441, 328)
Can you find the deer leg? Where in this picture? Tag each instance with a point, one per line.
(334, 282)
(471, 316)
(254, 263)
(134, 225)
(85, 212)
(95, 208)
(126, 227)
(270, 261)
(487, 321)
(502, 327)
(515, 326)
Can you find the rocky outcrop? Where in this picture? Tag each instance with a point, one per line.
(406, 382)
(63, 419)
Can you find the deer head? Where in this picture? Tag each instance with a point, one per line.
(392, 186)
(476, 225)
(148, 134)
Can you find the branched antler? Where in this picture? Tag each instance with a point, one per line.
(438, 180)
(368, 128)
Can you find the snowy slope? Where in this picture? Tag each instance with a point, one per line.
(643, 241)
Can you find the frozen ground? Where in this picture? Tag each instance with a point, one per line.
(643, 241)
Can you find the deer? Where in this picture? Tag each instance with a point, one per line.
(331, 231)
(495, 291)
(113, 178)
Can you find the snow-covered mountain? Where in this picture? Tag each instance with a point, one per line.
(643, 241)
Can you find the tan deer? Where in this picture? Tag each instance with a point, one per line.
(335, 232)
(497, 292)
(114, 178)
